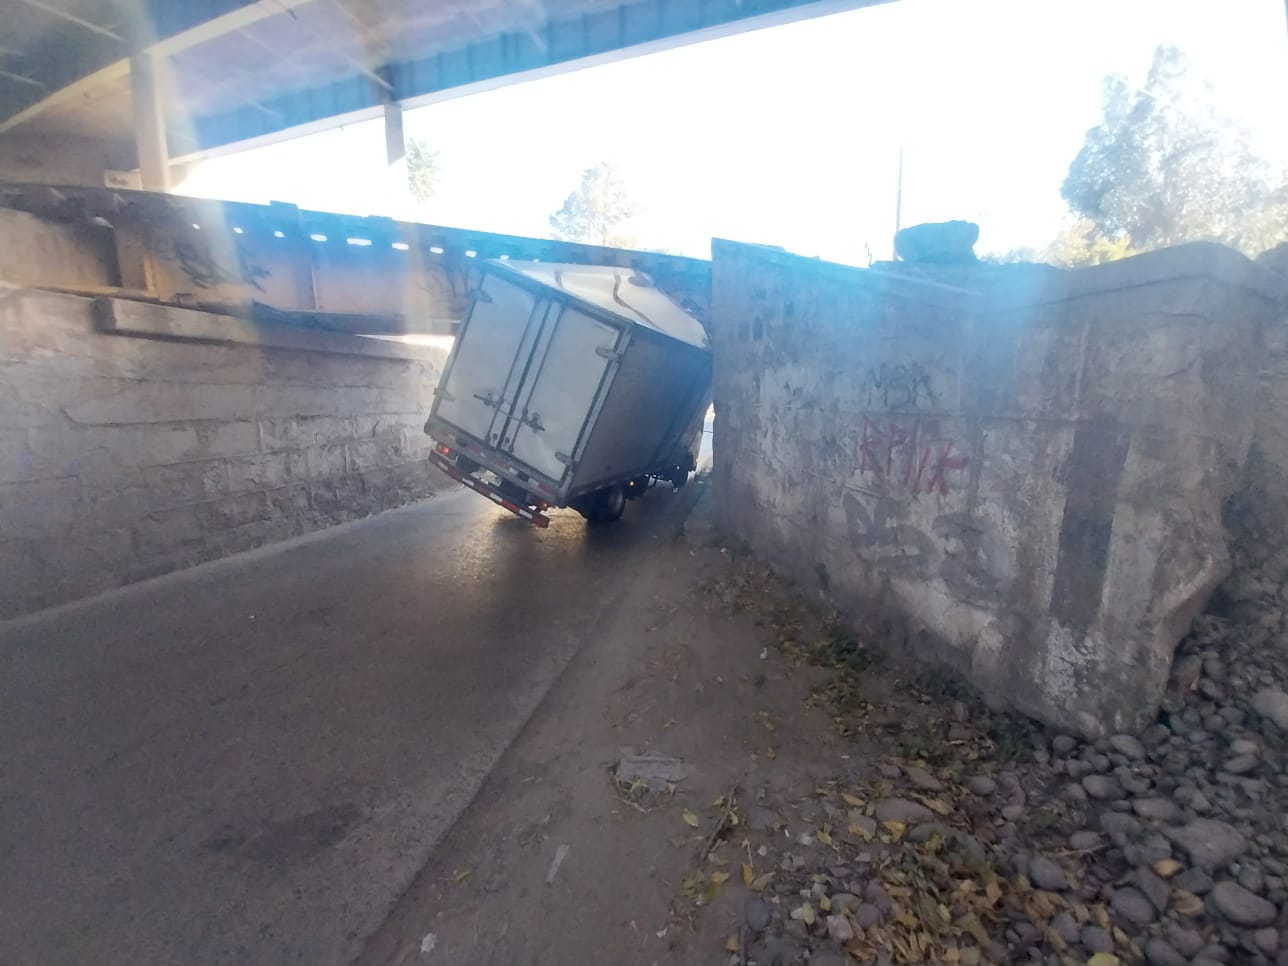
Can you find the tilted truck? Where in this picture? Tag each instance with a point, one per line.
(570, 386)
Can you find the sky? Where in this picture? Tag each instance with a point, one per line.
(792, 135)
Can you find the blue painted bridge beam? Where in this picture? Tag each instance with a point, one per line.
(631, 25)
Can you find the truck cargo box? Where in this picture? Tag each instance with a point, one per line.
(567, 382)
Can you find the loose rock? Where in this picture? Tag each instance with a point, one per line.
(1157, 809)
(1132, 905)
(1252, 879)
(1046, 874)
(1155, 889)
(1063, 744)
(757, 913)
(1120, 828)
(1243, 746)
(1084, 840)
(1128, 745)
(1267, 940)
(902, 810)
(844, 902)
(867, 916)
(922, 780)
(1241, 764)
(940, 243)
(1210, 844)
(1193, 880)
(1187, 942)
(1066, 926)
(654, 772)
(839, 928)
(1240, 906)
(1102, 787)
(760, 819)
(1159, 953)
(1272, 704)
(1096, 940)
(865, 827)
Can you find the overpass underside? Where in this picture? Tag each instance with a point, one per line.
(127, 94)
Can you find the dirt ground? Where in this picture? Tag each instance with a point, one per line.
(676, 674)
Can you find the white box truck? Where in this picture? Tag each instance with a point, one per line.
(570, 386)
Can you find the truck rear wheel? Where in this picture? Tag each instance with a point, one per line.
(603, 506)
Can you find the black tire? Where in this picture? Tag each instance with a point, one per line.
(608, 505)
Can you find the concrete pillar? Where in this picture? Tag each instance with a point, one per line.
(149, 124)
(397, 197)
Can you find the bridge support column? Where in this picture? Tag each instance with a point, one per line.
(149, 124)
(396, 159)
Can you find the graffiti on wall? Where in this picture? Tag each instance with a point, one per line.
(963, 550)
(898, 386)
(880, 530)
(450, 283)
(912, 452)
(209, 263)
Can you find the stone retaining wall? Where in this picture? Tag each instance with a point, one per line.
(133, 441)
(1015, 470)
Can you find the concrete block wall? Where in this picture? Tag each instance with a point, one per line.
(126, 457)
(1017, 471)
(1258, 517)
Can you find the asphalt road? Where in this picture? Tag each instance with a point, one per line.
(250, 761)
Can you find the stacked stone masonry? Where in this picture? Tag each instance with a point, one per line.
(122, 458)
(1018, 471)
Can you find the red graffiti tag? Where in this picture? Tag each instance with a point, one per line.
(913, 451)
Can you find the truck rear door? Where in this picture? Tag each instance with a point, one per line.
(558, 394)
(491, 351)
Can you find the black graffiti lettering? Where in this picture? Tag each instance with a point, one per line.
(898, 387)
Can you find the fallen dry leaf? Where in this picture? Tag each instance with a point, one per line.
(689, 818)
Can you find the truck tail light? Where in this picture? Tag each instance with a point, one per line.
(443, 450)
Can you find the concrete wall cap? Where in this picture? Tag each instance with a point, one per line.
(1030, 283)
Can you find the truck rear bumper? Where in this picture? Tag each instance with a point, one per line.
(492, 493)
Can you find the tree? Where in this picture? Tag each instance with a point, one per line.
(422, 170)
(595, 212)
(1078, 244)
(1082, 243)
(1164, 166)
